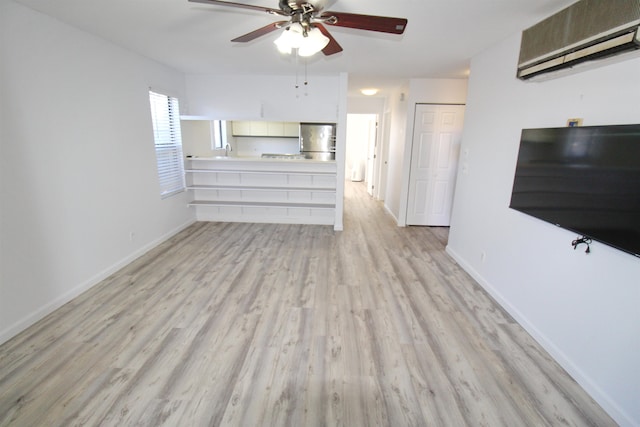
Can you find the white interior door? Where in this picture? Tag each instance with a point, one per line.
(434, 162)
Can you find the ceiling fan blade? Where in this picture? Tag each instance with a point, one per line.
(260, 32)
(242, 5)
(333, 46)
(382, 24)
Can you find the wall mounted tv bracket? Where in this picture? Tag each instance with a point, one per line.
(580, 240)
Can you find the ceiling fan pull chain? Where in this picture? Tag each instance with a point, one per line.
(306, 82)
(297, 73)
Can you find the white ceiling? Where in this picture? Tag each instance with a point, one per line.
(441, 36)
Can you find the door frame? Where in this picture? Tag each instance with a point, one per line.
(408, 152)
(372, 159)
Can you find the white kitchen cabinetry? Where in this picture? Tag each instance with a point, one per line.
(291, 129)
(275, 129)
(262, 190)
(241, 128)
(260, 128)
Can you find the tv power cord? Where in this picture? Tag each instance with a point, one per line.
(580, 240)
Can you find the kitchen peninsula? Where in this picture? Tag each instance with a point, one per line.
(250, 189)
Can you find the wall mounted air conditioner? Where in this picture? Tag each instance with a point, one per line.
(584, 31)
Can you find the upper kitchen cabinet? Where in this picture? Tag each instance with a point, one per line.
(291, 129)
(265, 129)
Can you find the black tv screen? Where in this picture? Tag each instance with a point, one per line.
(584, 179)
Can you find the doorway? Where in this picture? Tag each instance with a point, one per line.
(435, 150)
(361, 154)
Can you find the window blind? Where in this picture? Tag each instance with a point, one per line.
(165, 115)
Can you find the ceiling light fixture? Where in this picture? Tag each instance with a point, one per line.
(369, 91)
(308, 42)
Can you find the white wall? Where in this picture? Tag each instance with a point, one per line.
(366, 105)
(78, 170)
(584, 309)
(399, 108)
(197, 138)
(263, 97)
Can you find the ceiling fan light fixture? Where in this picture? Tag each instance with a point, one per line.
(293, 38)
(313, 43)
(290, 38)
(283, 48)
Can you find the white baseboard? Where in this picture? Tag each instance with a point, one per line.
(386, 208)
(61, 300)
(558, 355)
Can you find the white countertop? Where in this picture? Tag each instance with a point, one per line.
(258, 159)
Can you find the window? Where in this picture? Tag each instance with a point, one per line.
(216, 134)
(165, 115)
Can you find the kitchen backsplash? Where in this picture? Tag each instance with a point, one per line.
(256, 146)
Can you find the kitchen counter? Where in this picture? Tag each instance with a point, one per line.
(256, 189)
(256, 159)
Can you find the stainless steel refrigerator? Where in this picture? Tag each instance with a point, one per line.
(318, 141)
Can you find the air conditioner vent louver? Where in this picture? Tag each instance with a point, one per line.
(594, 28)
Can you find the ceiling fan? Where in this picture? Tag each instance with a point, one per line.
(305, 28)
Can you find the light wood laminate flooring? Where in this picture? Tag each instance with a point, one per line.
(230, 324)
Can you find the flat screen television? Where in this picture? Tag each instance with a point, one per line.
(584, 179)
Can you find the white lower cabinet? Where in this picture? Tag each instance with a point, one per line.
(262, 190)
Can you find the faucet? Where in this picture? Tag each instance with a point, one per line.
(227, 149)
